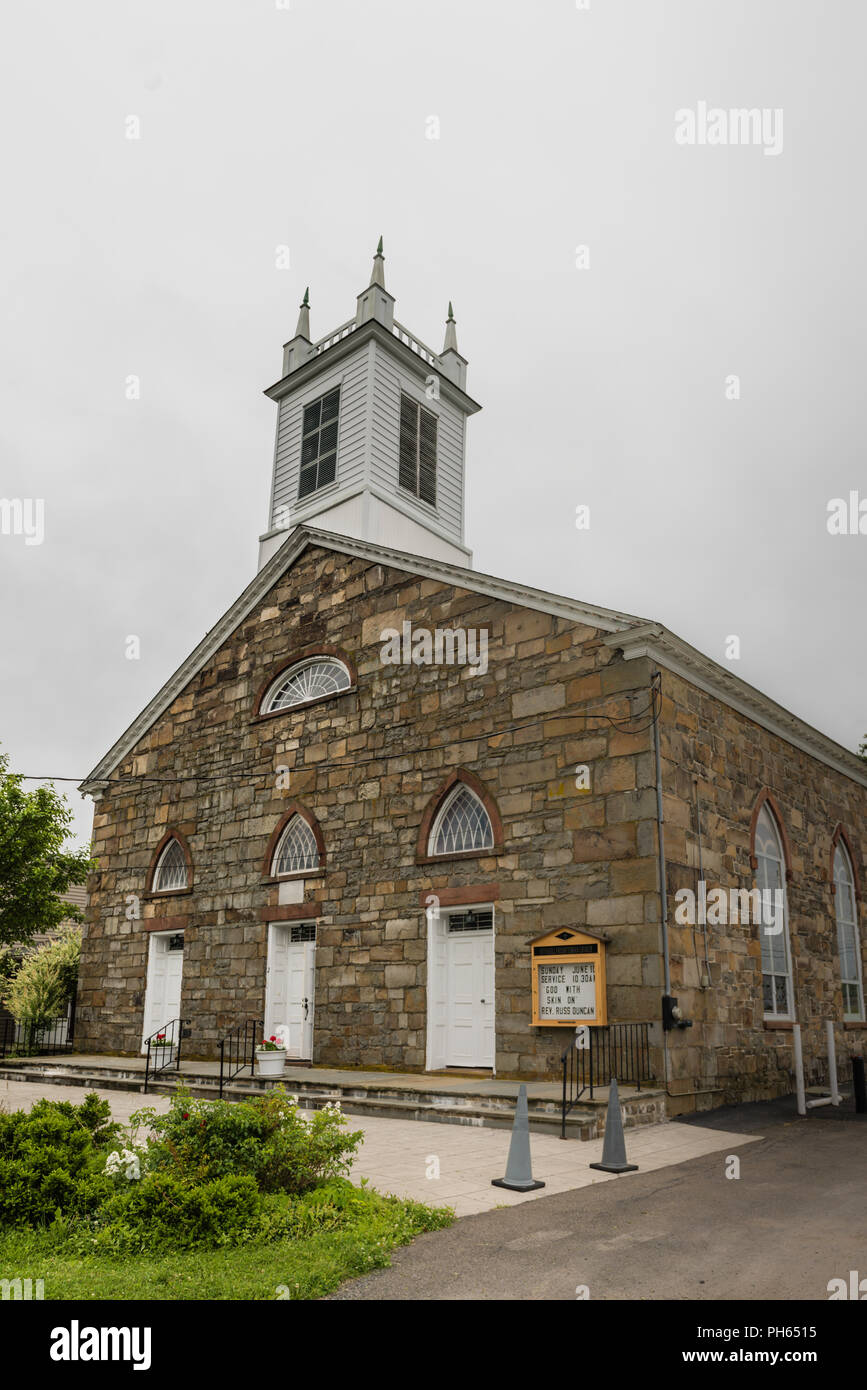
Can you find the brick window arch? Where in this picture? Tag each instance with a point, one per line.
(461, 811)
(766, 798)
(171, 866)
(840, 837)
(297, 841)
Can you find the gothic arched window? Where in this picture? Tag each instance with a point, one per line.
(770, 858)
(847, 936)
(297, 849)
(462, 825)
(171, 871)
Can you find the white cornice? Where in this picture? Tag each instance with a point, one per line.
(654, 641)
(282, 560)
(352, 343)
(636, 637)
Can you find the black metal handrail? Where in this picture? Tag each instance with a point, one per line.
(238, 1049)
(38, 1039)
(620, 1050)
(160, 1055)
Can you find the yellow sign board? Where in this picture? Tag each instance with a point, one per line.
(568, 979)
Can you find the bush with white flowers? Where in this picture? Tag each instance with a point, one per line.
(125, 1161)
(270, 1137)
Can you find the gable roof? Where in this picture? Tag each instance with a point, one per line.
(635, 636)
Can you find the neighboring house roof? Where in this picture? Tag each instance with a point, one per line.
(635, 636)
(77, 895)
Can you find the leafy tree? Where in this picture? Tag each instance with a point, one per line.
(35, 869)
(862, 751)
(44, 984)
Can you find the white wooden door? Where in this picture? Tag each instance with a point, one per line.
(290, 985)
(470, 996)
(165, 974)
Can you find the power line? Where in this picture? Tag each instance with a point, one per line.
(620, 725)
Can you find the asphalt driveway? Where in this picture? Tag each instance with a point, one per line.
(794, 1218)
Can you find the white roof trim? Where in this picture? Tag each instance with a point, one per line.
(671, 652)
(636, 636)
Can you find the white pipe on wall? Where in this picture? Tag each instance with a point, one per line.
(834, 1097)
(799, 1070)
(832, 1062)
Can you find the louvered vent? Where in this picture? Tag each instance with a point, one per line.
(427, 459)
(417, 464)
(408, 444)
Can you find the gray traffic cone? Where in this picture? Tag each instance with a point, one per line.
(519, 1171)
(614, 1144)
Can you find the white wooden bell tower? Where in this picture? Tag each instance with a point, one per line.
(371, 431)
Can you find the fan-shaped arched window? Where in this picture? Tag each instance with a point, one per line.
(774, 934)
(313, 679)
(296, 850)
(170, 873)
(462, 826)
(847, 936)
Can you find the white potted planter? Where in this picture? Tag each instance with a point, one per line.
(162, 1056)
(271, 1062)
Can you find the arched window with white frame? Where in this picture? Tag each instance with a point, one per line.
(170, 873)
(462, 825)
(297, 850)
(848, 942)
(316, 678)
(777, 992)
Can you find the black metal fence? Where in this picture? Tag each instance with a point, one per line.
(620, 1050)
(238, 1049)
(164, 1049)
(38, 1039)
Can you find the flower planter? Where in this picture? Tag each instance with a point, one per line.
(271, 1063)
(162, 1056)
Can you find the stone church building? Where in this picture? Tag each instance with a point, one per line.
(382, 776)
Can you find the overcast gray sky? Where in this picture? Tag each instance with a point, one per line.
(264, 124)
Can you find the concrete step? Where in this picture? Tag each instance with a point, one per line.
(381, 1099)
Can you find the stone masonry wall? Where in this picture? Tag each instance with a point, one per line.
(366, 765)
(731, 1052)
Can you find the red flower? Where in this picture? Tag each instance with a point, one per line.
(185, 1116)
(272, 1038)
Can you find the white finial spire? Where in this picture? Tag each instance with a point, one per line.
(451, 338)
(303, 329)
(378, 273)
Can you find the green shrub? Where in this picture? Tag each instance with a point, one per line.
(284, 1148)
(209, 1175)
(163, 1210)
(52, 1159)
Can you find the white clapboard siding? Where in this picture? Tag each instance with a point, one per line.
(351, 377)
(389, 381)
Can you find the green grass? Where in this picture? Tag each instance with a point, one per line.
(304, 1268)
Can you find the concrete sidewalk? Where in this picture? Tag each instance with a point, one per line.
(450, 1165)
